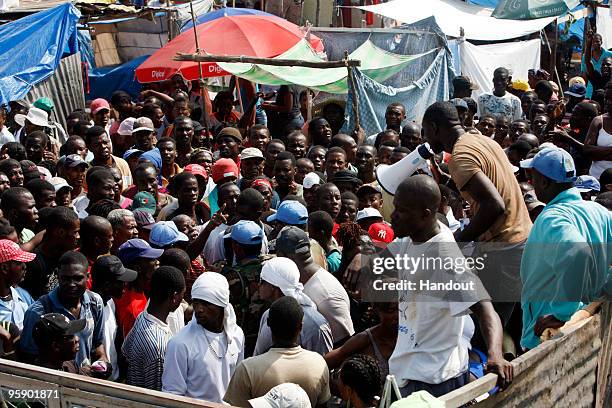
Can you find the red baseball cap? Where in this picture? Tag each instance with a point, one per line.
(261, 182)
(99, 104)
(224, 168)
(381, 233)
(197, 170)
(10, 251)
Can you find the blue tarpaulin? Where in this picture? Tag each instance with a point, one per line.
(416, 87)
(31, 48)
(104, 81)
(375, 97)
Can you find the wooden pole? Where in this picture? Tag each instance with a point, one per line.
(267, 61)
(200, 76)
(353, 85)
(550, 50)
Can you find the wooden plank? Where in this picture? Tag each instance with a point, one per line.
(9, 381)
(469, 391)
(603, 397)
(93, 385)
(525, 365)
(267, 61)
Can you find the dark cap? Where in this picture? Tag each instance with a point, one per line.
(73, 160)
(369, 189)
(145, 201)
(292, 240)
(231, 132)
(346, 176)
(29, 169)
(463, 82)
(137, 248)
(110, 266)
(144, 219)
(56, 324)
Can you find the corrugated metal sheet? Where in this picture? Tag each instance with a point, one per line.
(64, 87)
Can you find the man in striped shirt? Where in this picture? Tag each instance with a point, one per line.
(145, 346)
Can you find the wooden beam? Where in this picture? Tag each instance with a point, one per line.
(267, 61)
(468, 392)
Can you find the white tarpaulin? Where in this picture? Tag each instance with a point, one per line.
(452, 15)
(479, 61)
(604, 25)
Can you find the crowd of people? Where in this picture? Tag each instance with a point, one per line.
(176, 244)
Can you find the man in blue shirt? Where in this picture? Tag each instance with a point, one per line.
(14, 301)
(72, 300)
(566, 259)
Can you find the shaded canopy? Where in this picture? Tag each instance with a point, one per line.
(376, 63)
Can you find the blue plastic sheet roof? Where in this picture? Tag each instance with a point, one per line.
(31, 48)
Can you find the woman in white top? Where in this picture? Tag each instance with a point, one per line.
(5, 135)
(598, 143)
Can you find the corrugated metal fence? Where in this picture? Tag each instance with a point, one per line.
(64, 88)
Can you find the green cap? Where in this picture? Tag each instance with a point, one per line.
(45, 104)
(145, 201)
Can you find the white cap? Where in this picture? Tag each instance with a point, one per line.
(368, 212)
(251, 153)
(35, 116)
(126, 127)
(311, 179)
(59, 183)
(143, 123)
(287, 395)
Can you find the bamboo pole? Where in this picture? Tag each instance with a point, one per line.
(267, 61)
(200, 76)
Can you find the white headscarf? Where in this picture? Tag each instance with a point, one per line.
(213, 287)
(285, 275)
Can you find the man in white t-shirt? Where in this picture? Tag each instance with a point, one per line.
(319, 285)
(500, 102)
(430, 353)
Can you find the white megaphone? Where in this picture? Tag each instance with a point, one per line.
(390, 176)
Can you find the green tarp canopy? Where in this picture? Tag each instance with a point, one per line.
(532, 9)
(376, 63)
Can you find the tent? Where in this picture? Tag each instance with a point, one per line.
(104, 81)
(32, 47)
(377, 63)
(453, 15)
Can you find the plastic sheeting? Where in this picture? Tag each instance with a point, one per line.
(373, 97)
(408, 39)
(377, 63)
(104, 81)
(452, 15)
(31, 48)
(604, 25)
(479, 61)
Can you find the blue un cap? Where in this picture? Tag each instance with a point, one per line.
(137, 248)
(246, 233)
(290, 212)
(554, 163)
(165, 233)
(584, 184)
